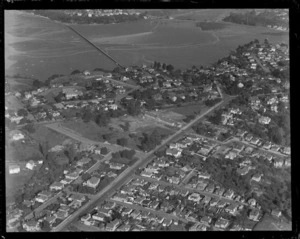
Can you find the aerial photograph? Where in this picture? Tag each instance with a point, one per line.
(147, 120)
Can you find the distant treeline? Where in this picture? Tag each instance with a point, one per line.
(253, 19)
(85, 19)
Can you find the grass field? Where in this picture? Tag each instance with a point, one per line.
(88, 130)
(207, 26)
(269, 223)
(190, 109)
(42, 134)
(14, 182)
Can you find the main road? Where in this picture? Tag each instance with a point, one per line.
(126, 174)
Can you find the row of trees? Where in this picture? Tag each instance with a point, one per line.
(163, 66)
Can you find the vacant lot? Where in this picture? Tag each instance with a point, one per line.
(43, 134)
(269, 223)
(14, 182)
(189, 110)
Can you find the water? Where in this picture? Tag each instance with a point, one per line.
(38, 47)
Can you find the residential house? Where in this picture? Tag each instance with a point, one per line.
(61, 214)
(109, 205)
(210, 188)
(43, 196)
(257, 177)
(206, 199)
(206, 220)
(231, 155)
(50, 219)
(83, 161)
(124, 228)
(194, 197)
(99, 216)
(221, 204)
(267, 145)
(116, 166)
(252, 202)
(167, 222)
(120, 197)
(146, 174)
(278, 162)
(77, 197)
(127, 211)
(264, 120)
(30, 164)
(13, 169)
(229, 194)
(232, 208)
(287, 162)
(18, 136)
(243, 170)
(254, 215)
(173, 152)
(174, 180)
(276, 213)
(222, 223)
(32, 226)
(204, 175)
(66, 181)
(287, 150)
(56, 186)
(85, 217)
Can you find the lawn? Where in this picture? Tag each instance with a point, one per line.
(269, 223)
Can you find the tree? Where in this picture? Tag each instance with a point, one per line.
(134, 108)
(37, 84)
(102, 120)
(75, 72)
(104, 151)
(164, 66)
(85, 176)
(22, 112)
(87, 116)
(29, 128)
(122, 141)
(169, 67)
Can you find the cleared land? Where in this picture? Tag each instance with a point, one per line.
(269, 223)
(190, 109)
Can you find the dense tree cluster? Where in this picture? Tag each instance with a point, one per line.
(252, 18)
(85, 19)
(151, 140)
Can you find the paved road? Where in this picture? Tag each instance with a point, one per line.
(126, 174)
